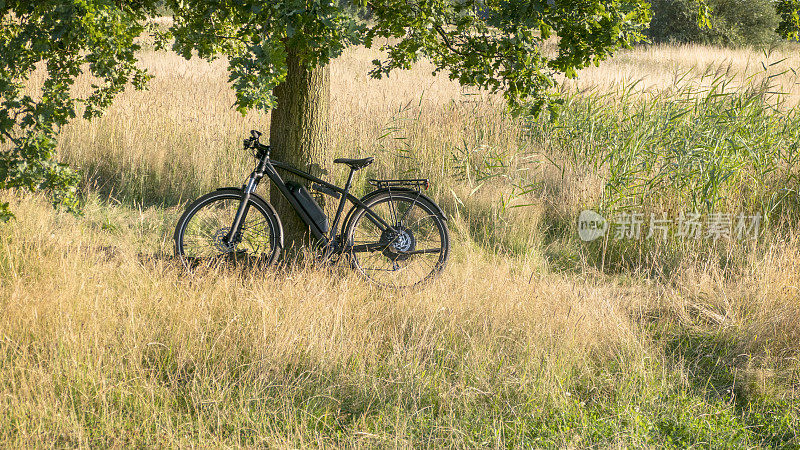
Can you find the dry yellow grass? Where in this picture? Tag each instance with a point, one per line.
(105, 341)
(666, 67)
(86, 305)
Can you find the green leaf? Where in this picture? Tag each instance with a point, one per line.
(5, 210)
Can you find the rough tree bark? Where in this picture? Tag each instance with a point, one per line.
(299, 135)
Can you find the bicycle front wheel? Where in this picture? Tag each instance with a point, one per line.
(412, 251)
(201, 231)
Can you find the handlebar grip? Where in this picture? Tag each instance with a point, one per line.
(256, 134)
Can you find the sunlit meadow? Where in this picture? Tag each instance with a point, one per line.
(531, 338)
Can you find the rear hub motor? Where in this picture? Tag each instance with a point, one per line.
(400, 242)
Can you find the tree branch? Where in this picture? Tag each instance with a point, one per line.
(11, 138)
(447, 43)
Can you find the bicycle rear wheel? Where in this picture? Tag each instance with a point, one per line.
(413, 253)
(201, 231)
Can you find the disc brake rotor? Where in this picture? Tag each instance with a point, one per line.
(401, 241)
(219, 241)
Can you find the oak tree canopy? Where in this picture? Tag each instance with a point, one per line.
(279, 53)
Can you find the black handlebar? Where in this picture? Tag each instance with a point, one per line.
(252, 143)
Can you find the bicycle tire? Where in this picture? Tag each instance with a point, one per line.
(419, 225)
(208, 219)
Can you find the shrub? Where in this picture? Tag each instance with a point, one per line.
(789, 12)
(734, 22)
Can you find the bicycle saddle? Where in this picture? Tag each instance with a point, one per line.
(355, 164)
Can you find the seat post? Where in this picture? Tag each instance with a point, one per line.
(341, 204)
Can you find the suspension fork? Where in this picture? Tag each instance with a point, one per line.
(234, 235)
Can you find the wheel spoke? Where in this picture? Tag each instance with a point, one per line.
(413, 251)
(203, 233)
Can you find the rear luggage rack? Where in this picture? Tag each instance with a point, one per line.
(416, 183)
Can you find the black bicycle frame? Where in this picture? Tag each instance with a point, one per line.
(268, 167)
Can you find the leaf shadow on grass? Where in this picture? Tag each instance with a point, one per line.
(139, 188)
(716, 373)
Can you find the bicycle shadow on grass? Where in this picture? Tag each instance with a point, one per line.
(237, 264)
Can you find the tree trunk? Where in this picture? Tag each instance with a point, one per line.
(299, 135)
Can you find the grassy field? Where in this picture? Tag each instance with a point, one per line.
(531, 338)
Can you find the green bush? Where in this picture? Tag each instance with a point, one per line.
(789, 12)
(734, 22)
